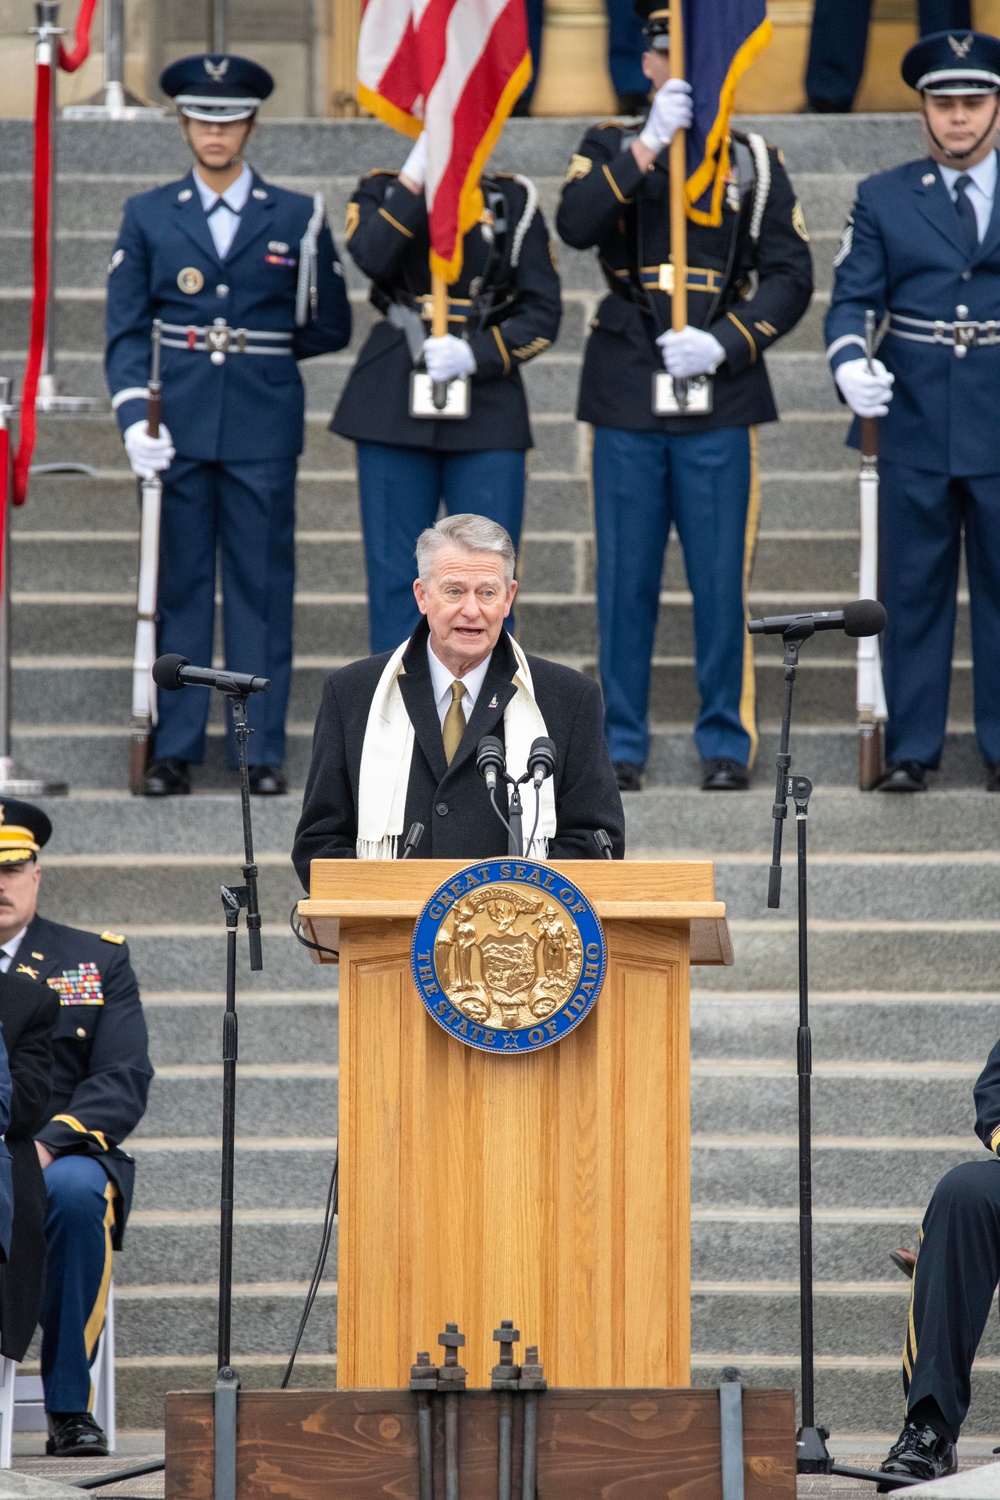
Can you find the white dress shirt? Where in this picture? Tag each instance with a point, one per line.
(442, 679)
(225, 221)
(8, 952)
(981, 189)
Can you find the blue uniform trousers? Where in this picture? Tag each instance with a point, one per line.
(839, 41)
(401, 490)
(958, 1266)
(921, 517)
(246, 513)
(79, 1223)
(702, 482)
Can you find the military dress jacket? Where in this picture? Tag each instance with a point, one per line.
(987, 1097)
(28, 1012)
(165, 265)
(904, 253)
(747, 283)
(101, 1070)
(452, 801)
(506, 303)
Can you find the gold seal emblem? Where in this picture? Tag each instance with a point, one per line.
(508, 956)
(190, 280)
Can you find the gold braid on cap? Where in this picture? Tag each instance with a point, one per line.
(16, 843)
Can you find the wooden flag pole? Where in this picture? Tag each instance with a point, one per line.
(439, 327)
(678, 180)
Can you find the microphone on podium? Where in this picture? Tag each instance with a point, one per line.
(491, 763)
(862, 617)
(541, 759)
(173, 672)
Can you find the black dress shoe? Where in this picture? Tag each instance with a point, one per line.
(75, 1434)
(627, 775)
(268, 781)
(724, 775)
(908, 776)
(920, 1453)
(993, 776)
(904, 1260)
(166, 778)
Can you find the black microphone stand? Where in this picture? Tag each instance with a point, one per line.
(812, 1453)
(234, 898)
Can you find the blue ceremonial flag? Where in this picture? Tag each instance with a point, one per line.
(721, 40)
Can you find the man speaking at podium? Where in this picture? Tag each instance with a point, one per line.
(397, 735)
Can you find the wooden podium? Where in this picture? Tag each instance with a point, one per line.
(551, 1188)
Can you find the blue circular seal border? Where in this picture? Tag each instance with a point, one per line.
(525, 873)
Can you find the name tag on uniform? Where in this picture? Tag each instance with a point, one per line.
(699, 396)
(80, 986)
(422, 397)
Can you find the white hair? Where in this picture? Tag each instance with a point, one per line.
(471, 533)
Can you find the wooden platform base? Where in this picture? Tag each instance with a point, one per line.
(592, 1445)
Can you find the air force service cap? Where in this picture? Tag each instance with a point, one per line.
(24, 829)
(954, 62)
(655, 18)
(213, 87)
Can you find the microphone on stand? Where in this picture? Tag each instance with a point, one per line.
(491, 762)
(173, 672)
(413, 837)
(862, 617)
(541, 759)
(603, 841)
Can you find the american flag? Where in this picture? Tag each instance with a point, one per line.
(456, 69)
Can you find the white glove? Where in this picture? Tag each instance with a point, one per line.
(867, 392)
(671, 111)
(447, 357)
(415, 165)
(148, 455)
(690, 352)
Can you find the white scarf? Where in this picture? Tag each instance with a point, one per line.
(388, 751)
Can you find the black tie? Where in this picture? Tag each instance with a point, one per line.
(221, 203)
(966, 212)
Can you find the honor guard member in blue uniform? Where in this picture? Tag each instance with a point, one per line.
(100, 1079)
(503, 310)
(922, 246)
(246, 280)
(749, 281)
(954, 1282)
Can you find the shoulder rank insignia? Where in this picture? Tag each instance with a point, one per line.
(112, 937)
(508, 956)
(116, 260)
(27, 969)
(80, 986)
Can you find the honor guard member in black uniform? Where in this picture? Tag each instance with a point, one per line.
(503, 310)
(923, 246)
(956, 1276)
(100, 1079)
(246, 280)
(749, 281)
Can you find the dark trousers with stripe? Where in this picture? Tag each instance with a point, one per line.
(958, 1267)
(922, 518)
(401, 491)
(245, 514)
(79, 1223)
(705, 483)
(839, 41)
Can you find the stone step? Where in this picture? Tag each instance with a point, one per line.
(163, 1249)
(273, 1099)
(274, 1028)
(164, 1320)
(792, 501)
(168, 956)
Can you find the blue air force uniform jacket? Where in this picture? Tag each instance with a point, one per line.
(506, 302)
(904, 253)
(749, 279)
(100, 1069)
(165, 265)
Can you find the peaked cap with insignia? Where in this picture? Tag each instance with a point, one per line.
(24, 829)
(215, 87)
(655, 18)
(954, 62)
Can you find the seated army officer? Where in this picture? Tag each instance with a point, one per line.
(100, 1080)
(397, 734)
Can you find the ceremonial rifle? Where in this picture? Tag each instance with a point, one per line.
(678, 201)
(151, 496)
(872, 712)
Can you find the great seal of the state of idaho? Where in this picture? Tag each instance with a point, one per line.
(508, 955)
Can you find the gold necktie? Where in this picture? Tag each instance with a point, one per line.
(454, 722)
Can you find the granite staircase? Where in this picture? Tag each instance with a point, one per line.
(905, 903)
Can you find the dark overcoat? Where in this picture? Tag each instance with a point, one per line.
(452, 801)
(28, 1012)
(101, 1070)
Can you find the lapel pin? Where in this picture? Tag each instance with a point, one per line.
(184, 195)
(927, 179)
(493, 702)
(259, 194)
